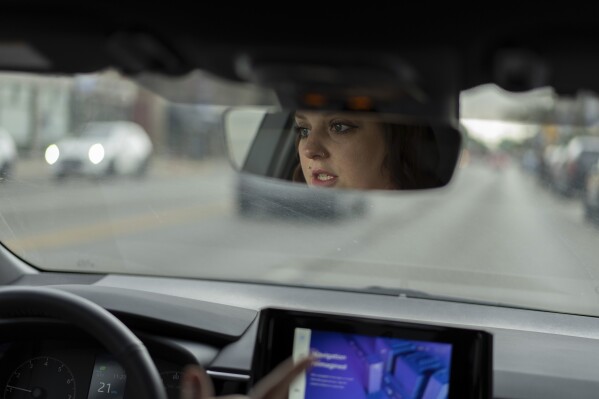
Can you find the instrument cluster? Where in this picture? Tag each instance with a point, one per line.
(68, 369)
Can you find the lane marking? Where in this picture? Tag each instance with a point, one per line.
(114, 228)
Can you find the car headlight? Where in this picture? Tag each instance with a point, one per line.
(52, 154)
(96, 153)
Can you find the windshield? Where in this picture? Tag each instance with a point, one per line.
(515, 226)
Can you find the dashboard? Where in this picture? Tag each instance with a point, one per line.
(217, 325)
(357, 357)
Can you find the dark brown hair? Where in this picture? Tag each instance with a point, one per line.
(412, 156)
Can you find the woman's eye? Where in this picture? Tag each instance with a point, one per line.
(340, 127)
(303, 132)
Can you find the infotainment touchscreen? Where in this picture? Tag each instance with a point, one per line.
(356, 366)
(360, 358)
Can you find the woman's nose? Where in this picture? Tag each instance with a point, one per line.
(314, 147)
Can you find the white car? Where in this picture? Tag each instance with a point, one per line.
(8, 154)
(102, 149)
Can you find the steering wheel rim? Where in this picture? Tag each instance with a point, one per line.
(116, 337)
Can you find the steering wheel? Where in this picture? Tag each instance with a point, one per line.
(99, 323)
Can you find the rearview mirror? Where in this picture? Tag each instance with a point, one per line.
(346, 150)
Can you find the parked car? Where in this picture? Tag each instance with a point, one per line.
(102, 149)
(486, 287)
(554, 159)
(579, 155)
(8, 154)
(590, 200)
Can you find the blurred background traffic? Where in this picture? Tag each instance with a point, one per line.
(96, 125)
(104, 126)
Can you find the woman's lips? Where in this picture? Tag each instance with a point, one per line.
(322, 178)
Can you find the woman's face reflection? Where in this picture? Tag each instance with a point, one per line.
(342, 150)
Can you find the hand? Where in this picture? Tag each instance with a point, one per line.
(196, 384)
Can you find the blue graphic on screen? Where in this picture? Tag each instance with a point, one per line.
(351, 366)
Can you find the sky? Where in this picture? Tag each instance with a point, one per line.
(483, 111)
(492, 132)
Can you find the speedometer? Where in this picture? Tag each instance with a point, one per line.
(41, 377)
